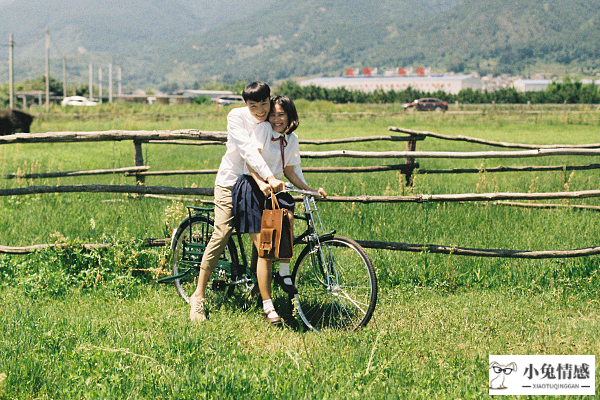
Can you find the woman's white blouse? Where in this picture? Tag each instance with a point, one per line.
(271, 151)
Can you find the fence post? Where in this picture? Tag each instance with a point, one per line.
(139, 161)
(411, 145)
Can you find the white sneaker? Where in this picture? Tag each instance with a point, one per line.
(197, 312)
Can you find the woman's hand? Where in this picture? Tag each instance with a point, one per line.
(264, 187)
(322, 192)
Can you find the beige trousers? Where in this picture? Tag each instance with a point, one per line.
(224, 224)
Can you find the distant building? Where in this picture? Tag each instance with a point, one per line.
(449, 84)
(589, 82)
(183, 97)
(531, 85)
(30, 96)
(212, 94)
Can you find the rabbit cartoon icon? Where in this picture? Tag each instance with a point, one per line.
(500, 372)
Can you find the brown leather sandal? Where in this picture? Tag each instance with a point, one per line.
(289, 289)
(272, 320)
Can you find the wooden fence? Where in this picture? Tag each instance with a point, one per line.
(199, 138)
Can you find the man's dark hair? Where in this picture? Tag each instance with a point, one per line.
(256, 91)
(289, 108)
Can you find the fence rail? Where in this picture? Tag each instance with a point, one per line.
(542, 168)
(126, 171)
(136, 189)
(180, 136)
(452, 154)
(113, 135)
(464, 251)
(365, 199)
(397, 246)
(490, 142)
(404, 168)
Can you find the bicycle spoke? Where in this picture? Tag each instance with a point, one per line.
(351, 300)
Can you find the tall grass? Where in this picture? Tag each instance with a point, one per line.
(423, 344)
(92, 324)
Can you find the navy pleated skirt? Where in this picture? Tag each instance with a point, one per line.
(249, 203)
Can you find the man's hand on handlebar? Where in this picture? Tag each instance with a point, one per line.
(264, 187)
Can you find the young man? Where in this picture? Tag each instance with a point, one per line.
(241, 150)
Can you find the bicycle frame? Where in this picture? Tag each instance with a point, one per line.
(314, 237)
(240, 271)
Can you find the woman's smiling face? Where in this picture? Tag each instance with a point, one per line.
(278, 119)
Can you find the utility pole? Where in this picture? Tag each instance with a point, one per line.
(47, 69)
(11, 76)
(110, 83)
(91, 93)
(100, 83)
(64, 77)
(119, 81)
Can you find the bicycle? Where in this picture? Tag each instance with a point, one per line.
(335, 278)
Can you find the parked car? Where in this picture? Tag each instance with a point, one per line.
(427, 104)
(229, 99)
(78, 101)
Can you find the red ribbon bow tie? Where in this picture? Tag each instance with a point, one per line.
(282, 144)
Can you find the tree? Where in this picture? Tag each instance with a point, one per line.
(40, 84)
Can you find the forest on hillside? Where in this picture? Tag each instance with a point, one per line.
(197, 43)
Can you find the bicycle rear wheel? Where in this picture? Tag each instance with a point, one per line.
(190, 240)
(337, 286)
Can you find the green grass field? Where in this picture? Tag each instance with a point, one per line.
(93, 324)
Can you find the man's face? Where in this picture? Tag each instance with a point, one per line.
(259, 109)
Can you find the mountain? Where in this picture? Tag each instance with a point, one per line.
(509, 36)
(136, 34)
(485, 36)
(306, 37)
(186, 41)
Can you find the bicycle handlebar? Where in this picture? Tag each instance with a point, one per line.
(290, 188)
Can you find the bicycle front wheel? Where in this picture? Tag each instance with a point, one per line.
(190, 241)
(337, 286)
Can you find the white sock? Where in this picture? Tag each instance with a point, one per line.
(284, 269)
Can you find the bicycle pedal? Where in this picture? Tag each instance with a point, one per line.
(218, 285)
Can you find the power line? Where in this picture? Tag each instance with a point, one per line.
(31, 41)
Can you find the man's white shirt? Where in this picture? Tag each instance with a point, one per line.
(241, 149)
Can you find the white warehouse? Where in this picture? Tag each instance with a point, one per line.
(531, 85)
(449, 84)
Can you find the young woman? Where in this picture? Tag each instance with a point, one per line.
(279, 147)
